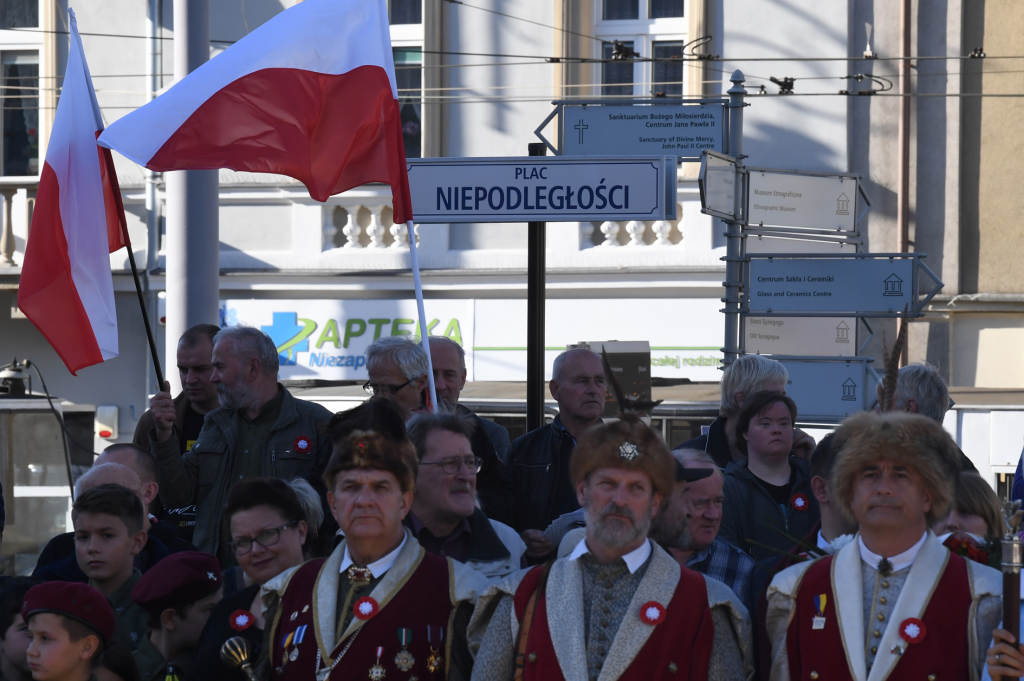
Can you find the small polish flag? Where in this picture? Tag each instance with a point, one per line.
(66, 287)
(310, 94)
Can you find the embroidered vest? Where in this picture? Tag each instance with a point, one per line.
(944, 652)
(678, 649)
(424, 599)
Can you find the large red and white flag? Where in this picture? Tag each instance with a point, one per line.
(66, 287)
(310, 94)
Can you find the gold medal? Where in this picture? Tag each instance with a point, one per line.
(377, 671)
(434, 661)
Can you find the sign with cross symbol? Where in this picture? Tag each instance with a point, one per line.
(581, 126)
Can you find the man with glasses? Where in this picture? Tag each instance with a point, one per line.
(444, 517)
(397, 366)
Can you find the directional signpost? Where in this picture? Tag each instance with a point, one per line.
(830, 388)
(870, 284)
(682, 130)
(535, 189)
(719, 183)
(802, 200)
(820, 336)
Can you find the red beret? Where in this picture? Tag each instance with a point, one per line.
(176, 581)
(78, 601)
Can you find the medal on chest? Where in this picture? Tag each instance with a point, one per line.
(404, 659)
(377, 671)
(820, 601)
(435, 635)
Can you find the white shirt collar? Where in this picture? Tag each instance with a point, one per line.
(634, 559)
(376, 568)
(822, 544)
(899, 562)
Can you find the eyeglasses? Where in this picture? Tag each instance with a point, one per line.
(268, 537)
(382, 388)
(451, 466)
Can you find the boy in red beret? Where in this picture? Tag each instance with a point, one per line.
(70, 625)
(178, 593)
(108, 536)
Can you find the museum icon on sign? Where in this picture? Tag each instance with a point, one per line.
(842, 205)
(893, 286)
(849, 391)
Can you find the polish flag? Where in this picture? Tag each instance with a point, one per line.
(310, 94)
(66, 288)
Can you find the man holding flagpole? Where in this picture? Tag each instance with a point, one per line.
(310, 94)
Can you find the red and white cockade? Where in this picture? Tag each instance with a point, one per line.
(303, 444)
(912, 630)
(799, 502)
(652, 612)
(365, 608)
(242, 620)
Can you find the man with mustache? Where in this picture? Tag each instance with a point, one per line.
(894, 603)
(618, 606)
(260, 430)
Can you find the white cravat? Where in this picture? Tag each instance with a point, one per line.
(899, 562)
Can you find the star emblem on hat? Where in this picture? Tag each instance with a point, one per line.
(628, 451)
(303, 444)
(365, 608)
(652, 613)
(212, 577)
(242, 620)
(912, 630)
(799, 502)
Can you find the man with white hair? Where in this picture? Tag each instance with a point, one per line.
(747, 375)
(260, 430)
(398, 368)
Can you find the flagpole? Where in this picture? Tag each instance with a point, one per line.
(145, 320)
(424, 330)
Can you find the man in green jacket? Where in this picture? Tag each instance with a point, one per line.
(259, 430)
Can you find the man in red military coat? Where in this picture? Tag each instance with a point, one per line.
(380, 606)
(894, 603)
(619, 606)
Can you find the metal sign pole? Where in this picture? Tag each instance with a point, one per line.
(535, 299)
(734, 228)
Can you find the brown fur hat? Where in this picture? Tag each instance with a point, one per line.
(909, 439)
(371, 436)
(627, 443)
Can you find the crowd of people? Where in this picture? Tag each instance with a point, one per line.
(246, 534)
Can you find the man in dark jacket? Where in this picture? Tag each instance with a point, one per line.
(489, 440)
(747, 375)
(540, 459)
(259, 430)
(198, 398)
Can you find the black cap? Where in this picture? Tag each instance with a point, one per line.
(690, 474)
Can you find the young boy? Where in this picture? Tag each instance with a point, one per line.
(70, 624)
(108, 536)
(178, 593)
(14, 636)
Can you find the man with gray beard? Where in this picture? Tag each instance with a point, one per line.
(260, 430)
(618, 606)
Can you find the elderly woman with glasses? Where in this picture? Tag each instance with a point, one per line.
(269, 524)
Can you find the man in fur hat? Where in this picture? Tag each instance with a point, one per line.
(380, 606)
(619, 606)
(894, 603)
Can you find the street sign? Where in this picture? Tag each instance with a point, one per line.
(789, 243)
(682, 130)
(830, 389)
(819, 336)
(543, 189)
(808, 285)
(796, 199)
(718, 182)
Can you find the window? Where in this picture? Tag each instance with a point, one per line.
(19, 104)
(19, 14)
(409, 77)
(664, 9)
(616, 76)
(405, 11)
(617, 10)
(668, 75)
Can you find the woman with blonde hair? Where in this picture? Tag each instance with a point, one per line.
(976, 511)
